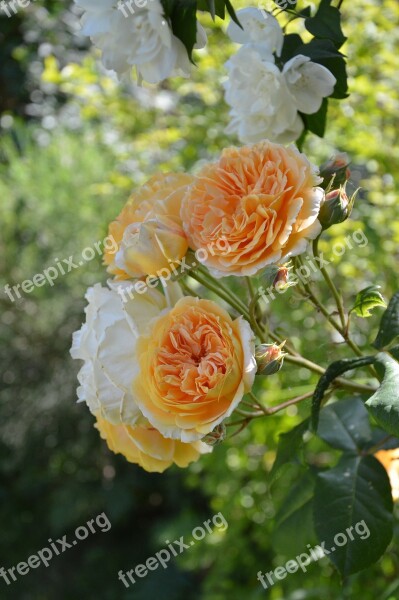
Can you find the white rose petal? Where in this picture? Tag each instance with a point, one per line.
(258, 26)
(308, 82)
(107, 342)
(140, 37)
(261, 102)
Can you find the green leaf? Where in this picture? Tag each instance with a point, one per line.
(215, 7)
(366, 300)
(355, 494)
(218, 8)
(326, 24)
(319, 50)
(231, 12)
(292, 41)
(395, 352)
(183, 18)
(384, 404)
(333, 371)
(212, 8)
(317, 122)
(379, 438)
(305, 12)
(288, 447)
(295, 514)
(301, 140)
(345, 425)
(389, 326)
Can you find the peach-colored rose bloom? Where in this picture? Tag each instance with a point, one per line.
(390, 461)
(146, 447)
(148, 231)
(196, 364)
(261, 200)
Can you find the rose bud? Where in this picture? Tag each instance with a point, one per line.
(269, 358)
(336, 208)
(281, 277)
(216, 436)
(335, 171)
(278, 276)
(281, 281)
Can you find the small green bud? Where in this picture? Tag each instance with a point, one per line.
(336, 208)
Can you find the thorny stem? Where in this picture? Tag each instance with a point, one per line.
(295, 358)
(342, 330)
(329, 282)
(243, 423)
(273, 409)
(252, 310)
(265, 412)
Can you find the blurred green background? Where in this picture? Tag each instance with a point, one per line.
(73, 143)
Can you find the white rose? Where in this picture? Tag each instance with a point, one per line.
(262, 105)
(259, 26)
(308, 82)
(139, 37)
(106, 343)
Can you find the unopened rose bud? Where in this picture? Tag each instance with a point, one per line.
(281, 277)
(269, 358)
(278, 276)
(335, 171)
(216, 436)
(336, 208)
(281, 281)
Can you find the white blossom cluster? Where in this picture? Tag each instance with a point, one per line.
(265, 101)
(139, 37)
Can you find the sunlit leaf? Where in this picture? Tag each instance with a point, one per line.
(366, 300)
(326, 23)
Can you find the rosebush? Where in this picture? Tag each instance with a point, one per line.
(235, 476)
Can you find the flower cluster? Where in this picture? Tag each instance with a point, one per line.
(266, 95)
(136, 36)
(163, 371)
